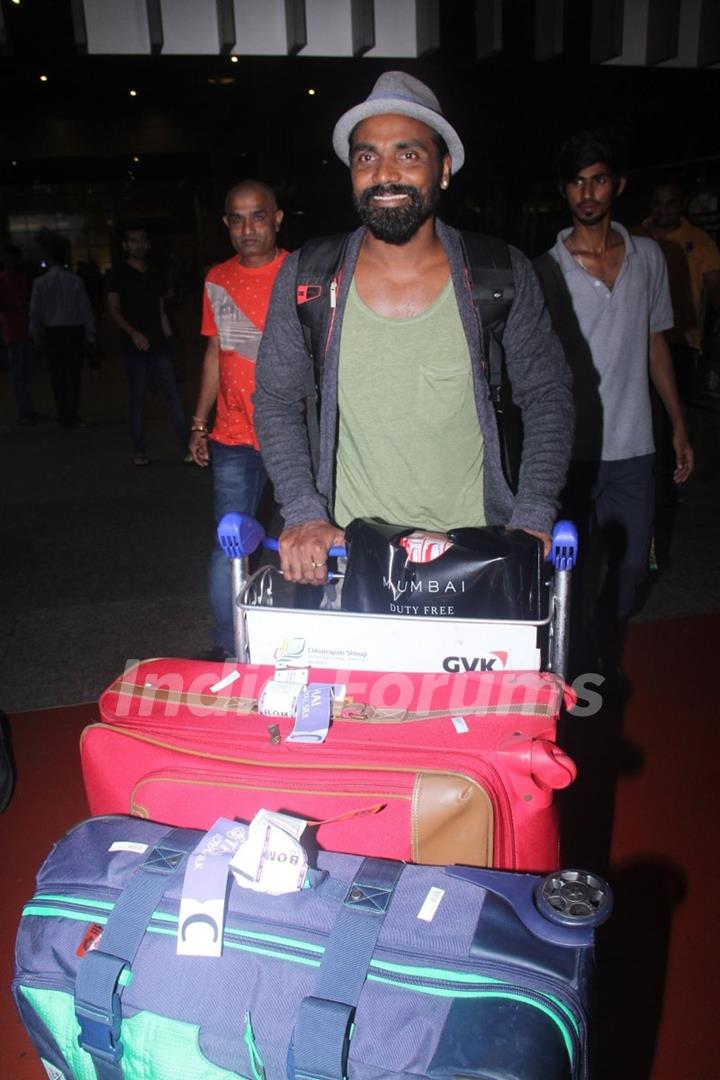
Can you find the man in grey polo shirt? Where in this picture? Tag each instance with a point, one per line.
(610, 304)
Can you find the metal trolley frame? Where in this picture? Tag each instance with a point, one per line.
(266, 633)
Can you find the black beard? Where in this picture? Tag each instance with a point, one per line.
(595, 219)
(397, 224)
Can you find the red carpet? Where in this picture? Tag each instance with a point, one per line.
(48, 799)
(655, 1013)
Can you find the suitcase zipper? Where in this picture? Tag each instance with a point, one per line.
(556, 1000)
(354, 796)
(246, 782)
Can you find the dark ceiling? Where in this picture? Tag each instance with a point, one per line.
(198, 114)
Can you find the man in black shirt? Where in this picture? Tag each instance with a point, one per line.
(135, 303)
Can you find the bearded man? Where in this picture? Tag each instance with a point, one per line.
(406, 428)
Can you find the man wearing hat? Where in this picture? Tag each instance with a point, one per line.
(407, 431)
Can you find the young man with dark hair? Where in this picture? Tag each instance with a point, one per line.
(620, 306)
(135, 304)
(407, 430)
(235, 303)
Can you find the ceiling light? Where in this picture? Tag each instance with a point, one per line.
(233, 59)
(43, 78)
(135, 157)
(311, 92)
(133, 93)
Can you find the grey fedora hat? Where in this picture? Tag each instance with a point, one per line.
(402, 94)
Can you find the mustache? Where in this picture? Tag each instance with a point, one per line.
(387, 189)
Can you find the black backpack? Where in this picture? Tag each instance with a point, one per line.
(490, 272)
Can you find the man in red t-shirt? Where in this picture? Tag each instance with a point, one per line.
(235, 303)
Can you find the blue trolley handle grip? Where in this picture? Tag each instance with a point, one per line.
(239, 535)
(564, 548)
(271, 544)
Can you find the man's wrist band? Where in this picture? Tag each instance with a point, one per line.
(202, 430)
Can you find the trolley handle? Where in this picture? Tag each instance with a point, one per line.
(239, 535)
(271, 543)
(564, 546)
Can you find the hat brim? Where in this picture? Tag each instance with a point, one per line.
(396, 106)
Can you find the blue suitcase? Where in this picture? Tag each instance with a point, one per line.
(374, 969)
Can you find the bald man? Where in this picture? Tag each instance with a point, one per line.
(235, 303)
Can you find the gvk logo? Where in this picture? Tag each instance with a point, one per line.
(495, 661)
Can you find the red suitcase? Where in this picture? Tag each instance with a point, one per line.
(455, 768)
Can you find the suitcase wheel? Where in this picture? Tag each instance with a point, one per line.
(574, 898)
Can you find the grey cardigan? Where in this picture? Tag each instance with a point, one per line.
(539, 376)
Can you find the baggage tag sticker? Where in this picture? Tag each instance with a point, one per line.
(430, 904)
(202, 905)
(227, 681)
(273, 860)
(90, 939)
(128, 845)
(289, 674)
(279, 698)
(312, 714)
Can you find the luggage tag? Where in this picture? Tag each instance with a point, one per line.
(288, 673)
(279, 698)
(201, 918)
(273, 860)
(313, 710)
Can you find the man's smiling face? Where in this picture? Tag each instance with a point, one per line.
(396, 172)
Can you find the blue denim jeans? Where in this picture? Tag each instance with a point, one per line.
(157, 366)
(612, 502)
(238, 480)
(20, 358)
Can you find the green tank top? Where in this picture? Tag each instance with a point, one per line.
(410, 448)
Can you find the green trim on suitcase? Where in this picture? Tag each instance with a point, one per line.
(173, 1046)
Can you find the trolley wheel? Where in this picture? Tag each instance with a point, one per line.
(574, 898)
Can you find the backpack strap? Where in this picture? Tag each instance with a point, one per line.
(319, 265)
(552, 282)
(491, 278)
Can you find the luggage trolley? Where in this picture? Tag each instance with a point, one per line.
(266, 633)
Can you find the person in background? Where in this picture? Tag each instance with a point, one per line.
(235, 304)
(135, 304)
(61, 321)
(613, 332)
(693, 265)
